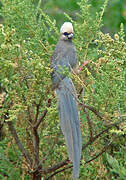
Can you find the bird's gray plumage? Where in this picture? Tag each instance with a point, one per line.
(65, 56)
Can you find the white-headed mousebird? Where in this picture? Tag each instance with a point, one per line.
(64, 56)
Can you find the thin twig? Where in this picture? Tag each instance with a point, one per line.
(29, 115)
(37, 110)
(99, 154)
(80, 92)
(101, 133)
(89, 124)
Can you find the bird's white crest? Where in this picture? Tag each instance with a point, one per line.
(66, 27)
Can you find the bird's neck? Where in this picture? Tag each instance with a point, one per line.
(66, 41)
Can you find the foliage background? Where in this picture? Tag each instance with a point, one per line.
(27, 39)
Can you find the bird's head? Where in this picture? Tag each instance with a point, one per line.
(66, 31)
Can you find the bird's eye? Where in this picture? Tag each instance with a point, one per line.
(66, 34)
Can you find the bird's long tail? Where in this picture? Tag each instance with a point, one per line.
(69, 122)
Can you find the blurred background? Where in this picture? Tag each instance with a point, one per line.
(115, 13)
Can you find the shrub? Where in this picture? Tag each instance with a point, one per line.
(34, 144)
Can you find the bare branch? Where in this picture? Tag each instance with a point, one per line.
(29, 115)
(35, 148)
(43, 115)
(37, 110)
(40, 119)
(80, 92)
(95, 111)
(57, 172)
(36, 163)
(19, 144)
(55, 167)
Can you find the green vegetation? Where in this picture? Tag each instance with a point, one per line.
(31, 143)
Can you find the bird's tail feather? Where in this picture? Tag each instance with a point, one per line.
(69, 122)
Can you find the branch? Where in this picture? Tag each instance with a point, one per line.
(80, 92)
(95, 111)
(89, 124)
(57, 172)
(37, 110)
(102, 132)
(29, 115)
(99, 154)
(43, 115)
(36, 163)
(55, 167)
(35, 149)
(19, 144)
(66, 162)
(40, 119)
(68, 167)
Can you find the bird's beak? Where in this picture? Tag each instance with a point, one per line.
(70, 36)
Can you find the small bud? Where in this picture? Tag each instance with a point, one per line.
(123, 43)
(17, 45)
(1, 25)
(3, 46)
(13, 30)
(116, 37)
(31, 51)
(107, 35)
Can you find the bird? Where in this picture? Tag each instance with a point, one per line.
(64, 56)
